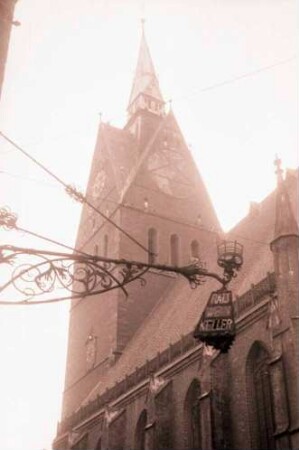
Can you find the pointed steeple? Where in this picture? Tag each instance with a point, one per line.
(145, 92)
(285, 223)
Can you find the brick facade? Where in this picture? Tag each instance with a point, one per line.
(151, 385)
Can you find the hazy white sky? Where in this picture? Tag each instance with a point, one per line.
(230, 70)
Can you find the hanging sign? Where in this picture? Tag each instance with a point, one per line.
(216, 326)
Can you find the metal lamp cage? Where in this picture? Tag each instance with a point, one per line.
(230, 252)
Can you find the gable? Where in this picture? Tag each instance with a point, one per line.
(165, 173)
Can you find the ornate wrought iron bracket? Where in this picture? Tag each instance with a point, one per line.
(35, 274)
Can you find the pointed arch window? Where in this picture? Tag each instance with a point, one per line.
(152, 245)
(82, 444)
(195, 249)
(174, 250)
(259, 397)
(192, 417)
(141, 431)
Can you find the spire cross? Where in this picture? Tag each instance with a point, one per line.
(279, 170)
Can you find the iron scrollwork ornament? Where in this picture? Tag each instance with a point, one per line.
(43, 272)
(8, 219)
(37, 273)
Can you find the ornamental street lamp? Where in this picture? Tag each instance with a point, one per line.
(230, 257)
(216, 326)
(36, 273)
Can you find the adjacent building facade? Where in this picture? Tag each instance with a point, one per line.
(135, 376)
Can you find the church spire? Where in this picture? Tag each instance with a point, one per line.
(145, 92)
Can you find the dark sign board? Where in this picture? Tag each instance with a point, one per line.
(216, 326)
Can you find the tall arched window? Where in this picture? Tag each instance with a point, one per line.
(152, 245)
(105, 245)
(174, 250)
(194, 249)
(192, 417)
(259, 398)
(96, 250)
(140, 431)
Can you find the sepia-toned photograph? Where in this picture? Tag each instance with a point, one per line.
(149, 240)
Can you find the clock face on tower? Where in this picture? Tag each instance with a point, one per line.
(168, 169)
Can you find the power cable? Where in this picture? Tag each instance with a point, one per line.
(52, 241)
(8, 221)
(207, 88)
(196, 91)
(101, 226)
(94, 233)
(237, 78)
(72, 191)
(110, 216)
(122, 205)
(133, 172)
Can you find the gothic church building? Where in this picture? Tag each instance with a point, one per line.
(135, 376)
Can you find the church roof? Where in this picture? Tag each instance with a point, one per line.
(255, 232)
(121, 150)
(129, 168)
(145, 80)
(179, 309)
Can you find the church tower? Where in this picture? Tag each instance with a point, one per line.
(143, 178)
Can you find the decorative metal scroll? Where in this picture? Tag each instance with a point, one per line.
(8, 219)
(35, 274)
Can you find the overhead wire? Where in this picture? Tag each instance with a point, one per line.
(236, 78)
(83, 199)
(120, 205)
(196, 91)
(51, 241)
(108, 218)
(208, 88)
(9, 222)
(202, 227)
(94, 233)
